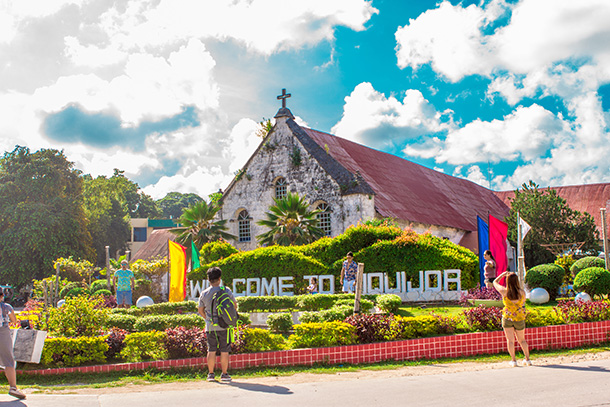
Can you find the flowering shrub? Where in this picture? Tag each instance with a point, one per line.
(182, 342)
(31, 312)
(572, 312)
(479, 293)
(372, 328)
(115, 339)
(484, 318)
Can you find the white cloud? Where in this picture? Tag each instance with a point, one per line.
(524, 134)
(203, 181)
(263, 26)
(242, 143)
(150, 88)
(371, 118)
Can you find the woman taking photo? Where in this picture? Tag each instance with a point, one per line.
(513, 315)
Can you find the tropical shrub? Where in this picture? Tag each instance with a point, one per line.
(548, 276)
(322, 334)
(546, 317)
(318, 302)
(162, 322)
(115, 341)
(389, 303)
(565, 261)
(216, 250)
(184, 342)
(75, 292)
(79, 316)
(141, 346)
(280, 323)
(593, 281)
(484, 318)
(250, 340)
(371, 328)
(73, 351)
(585, 263)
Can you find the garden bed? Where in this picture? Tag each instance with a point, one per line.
(493, 342)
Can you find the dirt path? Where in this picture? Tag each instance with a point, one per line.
(431, 369)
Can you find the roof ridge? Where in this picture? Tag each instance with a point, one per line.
(349, 182)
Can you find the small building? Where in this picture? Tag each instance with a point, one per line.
(351, 183)
(142, 228)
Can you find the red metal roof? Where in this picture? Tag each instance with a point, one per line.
(409, 191)
(582, 198)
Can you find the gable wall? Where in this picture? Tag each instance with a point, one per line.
(255, 190)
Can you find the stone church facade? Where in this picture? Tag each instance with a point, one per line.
(285, 162)
(350, 183)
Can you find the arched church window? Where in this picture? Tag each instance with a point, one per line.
(243, 224)
(324, 218)
(280, 188)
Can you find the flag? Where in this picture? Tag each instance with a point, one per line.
(194, 256)
(177, 272)
(498, 231)
(483, 237)
(524, 228)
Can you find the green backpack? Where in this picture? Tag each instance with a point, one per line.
(224, 313)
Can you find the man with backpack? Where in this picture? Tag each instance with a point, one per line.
(218, 306)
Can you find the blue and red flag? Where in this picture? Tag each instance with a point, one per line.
(483, 237)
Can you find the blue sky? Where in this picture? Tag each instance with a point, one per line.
(170, 91)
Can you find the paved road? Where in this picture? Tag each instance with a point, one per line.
(577, 384)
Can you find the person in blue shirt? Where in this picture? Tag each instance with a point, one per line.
(349, 271)
(124, 282)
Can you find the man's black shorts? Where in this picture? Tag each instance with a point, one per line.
(218, 340)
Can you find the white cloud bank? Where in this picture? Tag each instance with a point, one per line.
(145, 61)
(557, 48)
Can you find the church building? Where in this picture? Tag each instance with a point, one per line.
(350, 183)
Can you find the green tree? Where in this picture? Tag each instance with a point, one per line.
(172, 204)
(199, 226)
(552, 222)
(290, 222)
(41, 214)
(109, 204)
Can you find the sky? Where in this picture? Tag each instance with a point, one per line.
(171, 91)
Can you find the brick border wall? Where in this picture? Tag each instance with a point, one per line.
(548, 337)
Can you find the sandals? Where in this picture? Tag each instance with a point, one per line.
(13, 391)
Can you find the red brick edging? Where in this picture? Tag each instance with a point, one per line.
(547, 337)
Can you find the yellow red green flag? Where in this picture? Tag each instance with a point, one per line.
(177, 272)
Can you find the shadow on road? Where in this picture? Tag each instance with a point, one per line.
(261, 388)
(16, 403)
(581, 368)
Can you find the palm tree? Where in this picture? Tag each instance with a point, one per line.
(290, 222)
(199, 226)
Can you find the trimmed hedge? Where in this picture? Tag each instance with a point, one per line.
(162, 322)
(126, 322)
(266, 303)
(586, 262)
(385, 249)
(548, 276)
(74, 351)
(324, 334)
(217, 250)
(593, 281)
(164, 308)
(389, 303)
